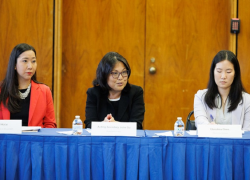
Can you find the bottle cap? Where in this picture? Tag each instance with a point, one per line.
(77, 117)
(179, 117)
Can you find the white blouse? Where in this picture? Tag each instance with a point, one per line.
(222, 117)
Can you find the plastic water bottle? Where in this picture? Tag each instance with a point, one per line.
(77, 126)
(179, 127)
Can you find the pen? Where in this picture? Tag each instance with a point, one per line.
(212, 117)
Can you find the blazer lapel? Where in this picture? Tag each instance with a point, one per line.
(35, 93)
(123, 104)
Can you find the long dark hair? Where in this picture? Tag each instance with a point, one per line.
(105, 67)
(9, 86)
(235, 94)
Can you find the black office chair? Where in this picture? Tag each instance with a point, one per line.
(190, 124)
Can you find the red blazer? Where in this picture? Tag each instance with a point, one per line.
(41, 112)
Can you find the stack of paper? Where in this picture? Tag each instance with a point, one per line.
(168, 133)
(31, 128)
(65, 132)
(192, 132)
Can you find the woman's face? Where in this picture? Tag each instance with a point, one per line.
(118, 84)
(26, 65)
(224, 74)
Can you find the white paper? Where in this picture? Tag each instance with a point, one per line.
(65, 132)
(69, 133)
(168, 133)
(192, 132)
(10, 126)
(113, 129)
(88, 130)
(222, 131)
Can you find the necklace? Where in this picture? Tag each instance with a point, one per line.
(26, 93)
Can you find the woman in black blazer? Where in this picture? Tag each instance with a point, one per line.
(112, 98)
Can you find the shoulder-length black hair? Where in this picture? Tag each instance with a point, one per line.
(105, 67)
(235, 94)
(9, 86)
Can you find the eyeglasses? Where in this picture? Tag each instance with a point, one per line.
(116, 74)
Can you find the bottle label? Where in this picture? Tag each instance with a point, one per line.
(77, 129)
(179, 130)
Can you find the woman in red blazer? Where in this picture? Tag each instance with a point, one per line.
(22, 96)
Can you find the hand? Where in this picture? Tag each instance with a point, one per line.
(109, 118)
(212, 123)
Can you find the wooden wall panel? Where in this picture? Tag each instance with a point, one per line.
(31, 22)
(57, 83)
(183, 36)
(243, 41)
(90, 30)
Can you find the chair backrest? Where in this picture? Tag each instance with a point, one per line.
(190, 124)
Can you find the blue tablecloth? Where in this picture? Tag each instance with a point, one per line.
(49, 155)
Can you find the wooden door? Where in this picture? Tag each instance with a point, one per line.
(31, 22)
(90, 29)
(182, 36)
(243, 42)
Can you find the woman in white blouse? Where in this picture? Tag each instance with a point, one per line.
(225, 100)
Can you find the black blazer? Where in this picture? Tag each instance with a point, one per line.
(131, 106)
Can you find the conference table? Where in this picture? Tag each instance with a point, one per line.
(49, 155)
